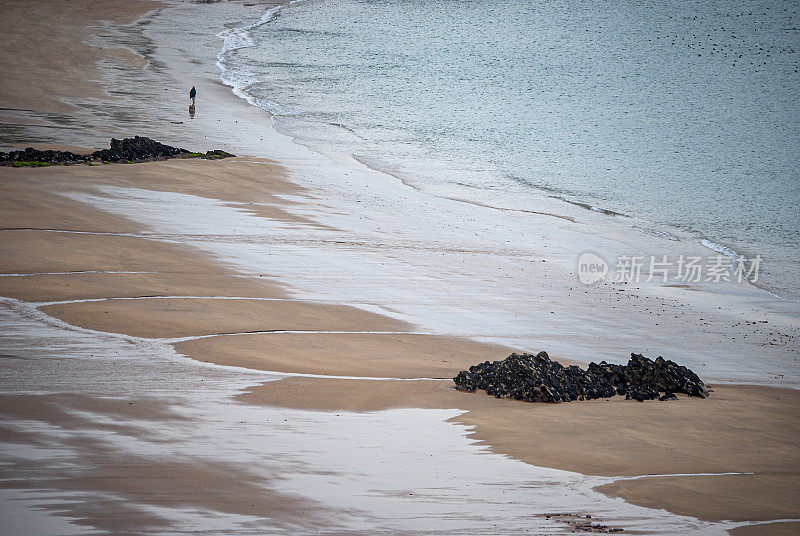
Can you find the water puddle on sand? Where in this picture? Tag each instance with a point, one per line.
(400, 470)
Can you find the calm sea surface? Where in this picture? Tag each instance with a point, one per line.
(681, 114)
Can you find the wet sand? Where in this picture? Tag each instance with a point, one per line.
(134, 481)
(740, 429)
(42, 45)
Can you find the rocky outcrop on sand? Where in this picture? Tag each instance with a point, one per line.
(32, 156)
(137, 149)
(128, 150)
(537, 378)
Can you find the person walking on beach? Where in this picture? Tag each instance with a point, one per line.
(192, 94)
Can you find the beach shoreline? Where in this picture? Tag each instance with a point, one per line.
(97, 265)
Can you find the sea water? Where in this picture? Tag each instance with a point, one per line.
(680, 115)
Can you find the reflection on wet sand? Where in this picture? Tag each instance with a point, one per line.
(135, 434)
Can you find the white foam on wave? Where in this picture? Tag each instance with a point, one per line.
(726, 251)
(238, 75)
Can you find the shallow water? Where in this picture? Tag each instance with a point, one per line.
(679, 114)
(470, 271)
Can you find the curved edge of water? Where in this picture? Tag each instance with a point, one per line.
(239, 37)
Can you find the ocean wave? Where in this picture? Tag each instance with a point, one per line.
(306, 31)
(562, 195)
(588, 206)
(719, 248)
(735, 257)
(307, 75)
(238, 75)
(657, 232)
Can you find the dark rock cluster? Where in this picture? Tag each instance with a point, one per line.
(136, 149)
(536, 378)
(30, 154)
(581, 523)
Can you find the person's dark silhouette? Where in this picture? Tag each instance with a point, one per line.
(192, 94)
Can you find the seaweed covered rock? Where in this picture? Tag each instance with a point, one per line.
(536, 378)
(217, 154)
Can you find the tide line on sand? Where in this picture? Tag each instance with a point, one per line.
(32, 310)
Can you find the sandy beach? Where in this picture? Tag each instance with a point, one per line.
(77, 261)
